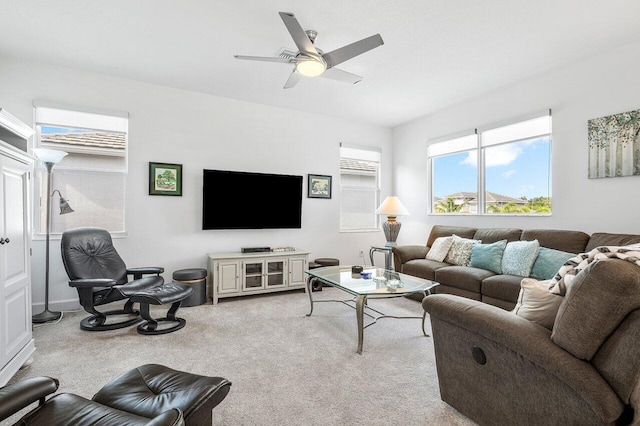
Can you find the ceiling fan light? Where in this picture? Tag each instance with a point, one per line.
(311, 68)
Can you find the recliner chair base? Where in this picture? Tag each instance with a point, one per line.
(97, 322)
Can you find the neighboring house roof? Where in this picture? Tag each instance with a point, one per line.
(89, 139)
(491, 198)
(365, 166)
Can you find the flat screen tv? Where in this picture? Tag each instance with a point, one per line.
(245, 200)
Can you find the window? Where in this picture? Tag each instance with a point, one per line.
(92, 176)
(512, 173)
(359, 188)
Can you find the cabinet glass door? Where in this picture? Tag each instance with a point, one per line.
(253, 275)
(276, 273)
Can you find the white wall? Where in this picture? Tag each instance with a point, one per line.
(602, 85)
(199, 131)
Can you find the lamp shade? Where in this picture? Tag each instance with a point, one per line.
(392, 206)
(46, 155)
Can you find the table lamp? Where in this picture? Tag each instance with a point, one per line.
(49, 157)
(392, 207)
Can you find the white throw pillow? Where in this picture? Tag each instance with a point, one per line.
(536, 303)
(440, 248)
(460, 251)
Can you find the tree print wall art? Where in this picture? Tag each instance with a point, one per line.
(614, 145)
(165, 179)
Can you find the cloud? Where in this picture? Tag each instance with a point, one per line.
(508, 173)
(500, 155)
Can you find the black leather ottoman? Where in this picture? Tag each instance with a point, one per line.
(151, 389)
(151, 394)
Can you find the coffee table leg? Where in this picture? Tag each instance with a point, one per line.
(361, 300)
(309, 283)
(424, 316)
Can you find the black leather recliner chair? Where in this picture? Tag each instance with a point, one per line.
(152, 395)
(100, 276)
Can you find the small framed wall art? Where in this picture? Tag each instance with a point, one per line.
(319, 186)
(165, 179)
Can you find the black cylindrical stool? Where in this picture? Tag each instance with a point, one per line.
(318, 263)
(197, 278)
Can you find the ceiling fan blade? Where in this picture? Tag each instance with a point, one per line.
(264, 59)
(293, 79)
(347, 52)
(300, 38)
(340, 75)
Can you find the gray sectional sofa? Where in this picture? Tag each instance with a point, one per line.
(479, 284)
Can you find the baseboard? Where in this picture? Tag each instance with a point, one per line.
(58, 305)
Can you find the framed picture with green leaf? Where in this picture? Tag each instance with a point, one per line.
(165, 179)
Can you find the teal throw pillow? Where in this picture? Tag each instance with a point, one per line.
(548, 263)
(518, 257)
(488, 256)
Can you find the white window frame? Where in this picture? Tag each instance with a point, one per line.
(455, 143)
(375, 155)
(113, 121)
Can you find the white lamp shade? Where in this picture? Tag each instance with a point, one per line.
(392, 206)
(46, 155)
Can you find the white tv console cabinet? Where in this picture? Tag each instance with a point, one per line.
(242, 274)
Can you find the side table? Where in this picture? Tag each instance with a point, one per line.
(387, 255)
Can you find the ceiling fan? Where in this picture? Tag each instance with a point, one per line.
(310, 61)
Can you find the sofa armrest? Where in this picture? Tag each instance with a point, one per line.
(403, 254)
(530, 341)
(16, 396)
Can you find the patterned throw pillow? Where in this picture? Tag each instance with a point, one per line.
(440, 248)
(518, 257)
(488, 256)
(460, 251)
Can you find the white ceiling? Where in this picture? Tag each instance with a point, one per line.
(436, 52)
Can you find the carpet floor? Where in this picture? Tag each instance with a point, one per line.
(285, 368)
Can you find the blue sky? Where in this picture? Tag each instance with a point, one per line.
(52, 129)
(516, 169)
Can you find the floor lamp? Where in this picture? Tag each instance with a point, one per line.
(49, 157)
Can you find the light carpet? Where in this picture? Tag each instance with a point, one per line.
(285, 368)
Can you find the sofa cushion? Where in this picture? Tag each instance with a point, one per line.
(503, 287)
(440, 248)
(447, 231)
(599, 299)
(604, 239)
(447, 289)
(571, 241)
(488, 256)
(518, 257)
(536, 303)
(423, 268)
(491, 235)
(548, 262)
(460, 251)
(463, 277)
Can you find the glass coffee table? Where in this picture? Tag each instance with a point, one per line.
(379, 283)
